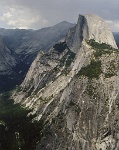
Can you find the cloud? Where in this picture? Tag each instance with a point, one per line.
(21, 17)
(41, 13)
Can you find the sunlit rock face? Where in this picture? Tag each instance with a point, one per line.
(74, 89)
(89, 27)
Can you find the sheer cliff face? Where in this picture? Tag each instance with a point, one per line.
(74, 89)
(89, 27)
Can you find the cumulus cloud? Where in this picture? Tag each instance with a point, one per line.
(22, 18)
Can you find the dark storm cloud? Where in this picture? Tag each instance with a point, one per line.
(41, 13)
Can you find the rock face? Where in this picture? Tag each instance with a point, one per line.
(74, 89)
(22, 47)
(7, 61)
(89, 27)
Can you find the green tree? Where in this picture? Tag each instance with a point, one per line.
(17, 128)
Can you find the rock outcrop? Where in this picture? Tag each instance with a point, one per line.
(89, 27)
(74, 89)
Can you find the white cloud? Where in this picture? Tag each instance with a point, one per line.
(114, 25)
(16, 17)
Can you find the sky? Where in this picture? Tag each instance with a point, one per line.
(36, 14)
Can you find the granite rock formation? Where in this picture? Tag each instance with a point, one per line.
(89, 27)
(74, 89)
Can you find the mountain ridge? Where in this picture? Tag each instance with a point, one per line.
(74, 89)
(6, 58)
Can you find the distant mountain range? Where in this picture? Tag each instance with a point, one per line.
(19, 47)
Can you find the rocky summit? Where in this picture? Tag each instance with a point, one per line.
(74, 89)
(89, 27)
